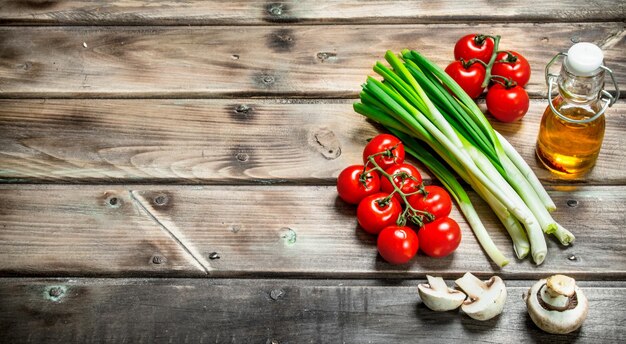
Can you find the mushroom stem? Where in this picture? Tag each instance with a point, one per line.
(436, 284)
(471, 285)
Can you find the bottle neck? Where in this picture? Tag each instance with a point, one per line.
(580, 89)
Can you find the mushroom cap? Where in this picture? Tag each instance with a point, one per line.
(556, 321)
(490, 303)
(440, 300)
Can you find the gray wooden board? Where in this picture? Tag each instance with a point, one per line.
(217, 141)
(293, 12)
(275, 230)
(249, 61)
(274, 311)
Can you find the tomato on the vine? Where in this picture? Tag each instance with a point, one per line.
(397, 245)
(381, 143)
(437, 201)
(470, 79)
(516, 67)
(440, 237)
(351, 189)
(402, 174)
(474, 46)
(507, 104)
(373, 214)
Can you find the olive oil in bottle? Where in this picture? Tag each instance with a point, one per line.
(572, 126)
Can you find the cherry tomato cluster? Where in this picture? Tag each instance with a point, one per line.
(480, 64)
(393, 203)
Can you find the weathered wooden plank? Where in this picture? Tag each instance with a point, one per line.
(244, 12)
(86, 233)
(271, 231)
(273, 311)
(221, 141)
(303, 61)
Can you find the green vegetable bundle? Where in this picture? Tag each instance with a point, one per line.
(428, 111)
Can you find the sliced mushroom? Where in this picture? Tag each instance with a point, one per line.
(556, 304)
(485, 299)
(437, 296)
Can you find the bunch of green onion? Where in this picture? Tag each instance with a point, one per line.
(418, 102)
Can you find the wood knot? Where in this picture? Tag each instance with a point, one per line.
(281, 40)
(572, 203)
(326, 143)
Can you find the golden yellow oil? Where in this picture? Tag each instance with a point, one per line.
(569, 149)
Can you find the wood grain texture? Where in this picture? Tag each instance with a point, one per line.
(85, 232)
(243, 12)
(245, 141)
(274, 311)
(271, 231)
(302, 61)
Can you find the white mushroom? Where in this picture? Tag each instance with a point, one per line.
(485, 299)
(437, 296)
(556, 304)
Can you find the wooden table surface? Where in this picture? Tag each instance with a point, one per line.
(167, 172)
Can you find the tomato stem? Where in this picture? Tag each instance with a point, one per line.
(506, 82)
(415, 215)
(468, 63)
(496, 43)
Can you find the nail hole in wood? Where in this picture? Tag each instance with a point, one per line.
(55, 293)
(158, 259)
(160, 200)
(277, 294)
(275, 9)
(572, 258)
(572, 203)
(242, 157)
(234, 57)
(114, 202)
(323, 56)
(214, 255)
(243, 109)
(268, 79)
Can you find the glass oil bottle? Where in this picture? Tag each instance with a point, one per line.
(572, 126)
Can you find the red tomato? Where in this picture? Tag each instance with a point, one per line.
(440, 237)
(397, 245)
(437, 202)
(407, 185)
(507, 105)
(470, 79)
(373, 216)
(517, 68)
(381, 143)
(351, 189)
(474, 47)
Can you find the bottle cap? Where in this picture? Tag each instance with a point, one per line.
(584, 59)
